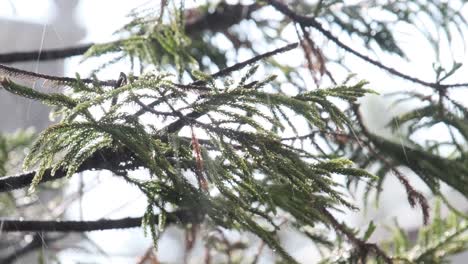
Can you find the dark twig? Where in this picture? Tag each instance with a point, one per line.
(14, 182)
(177, 125)
(307, 21)
(68, 226)
(241, 65)
(199, 85)
(180, 216)
(15, 72)
(44, 55)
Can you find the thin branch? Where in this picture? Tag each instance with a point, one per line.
(177, 125)
(44, 55)
(15, 72)
(307, 21)
(68, 226)
(180, 216)
(241, 65)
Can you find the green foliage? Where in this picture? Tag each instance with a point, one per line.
(231, 131)
(150, 41)
(250, 168)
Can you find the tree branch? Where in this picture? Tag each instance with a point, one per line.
(180, 216)
(15, 72)
(307, 21)
(44, 55)
(100, 160)
(68, 226)
(104, 159)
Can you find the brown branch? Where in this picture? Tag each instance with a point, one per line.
(149, 254)
(307, 21)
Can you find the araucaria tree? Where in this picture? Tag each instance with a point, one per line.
(275, 139)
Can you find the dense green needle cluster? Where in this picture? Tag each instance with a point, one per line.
(248, 169)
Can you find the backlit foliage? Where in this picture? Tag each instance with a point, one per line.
(256, 143)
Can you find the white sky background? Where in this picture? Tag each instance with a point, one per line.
(101, 18)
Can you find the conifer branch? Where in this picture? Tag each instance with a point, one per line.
(15, 72)
(307, 21)
(100, 160)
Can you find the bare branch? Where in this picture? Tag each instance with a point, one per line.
(44, 55)
(180, 216)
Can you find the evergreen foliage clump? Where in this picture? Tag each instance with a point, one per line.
(259, 144)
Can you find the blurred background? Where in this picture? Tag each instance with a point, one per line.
(43, 24)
